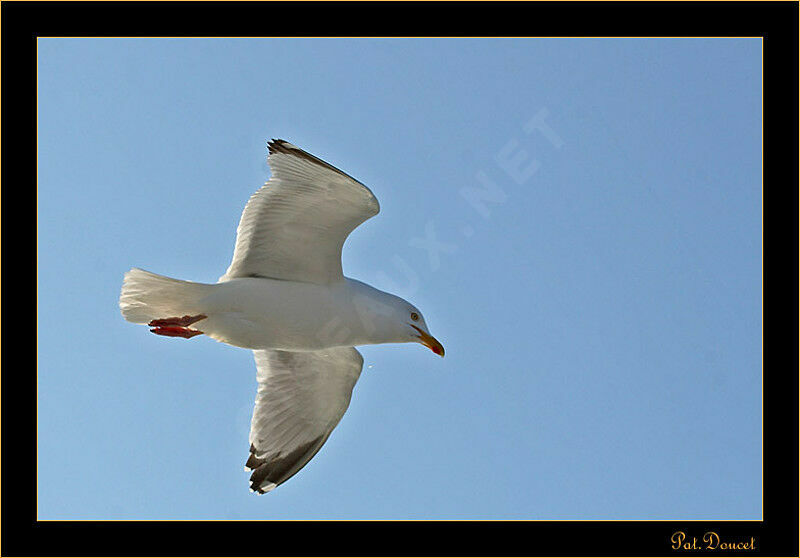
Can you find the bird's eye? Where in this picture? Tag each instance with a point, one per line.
(414, 316)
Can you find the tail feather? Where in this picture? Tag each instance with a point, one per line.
(147, 296)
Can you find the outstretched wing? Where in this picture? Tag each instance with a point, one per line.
(295, 225)
(301, 398)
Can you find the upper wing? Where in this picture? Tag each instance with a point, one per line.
(295, 225)
(301, 398)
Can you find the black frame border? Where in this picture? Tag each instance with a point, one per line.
(776, 22)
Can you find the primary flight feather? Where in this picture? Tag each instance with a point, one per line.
(284, 296)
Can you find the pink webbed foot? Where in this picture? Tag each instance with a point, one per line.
(177, 327)
(183, 321)
(176, 331)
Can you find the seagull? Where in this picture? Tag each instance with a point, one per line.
(284, 296)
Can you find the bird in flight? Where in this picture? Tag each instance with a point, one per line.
(284, 296)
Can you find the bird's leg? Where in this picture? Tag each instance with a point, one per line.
(183, 321)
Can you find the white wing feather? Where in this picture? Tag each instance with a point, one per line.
(301, 398)
(295, 225)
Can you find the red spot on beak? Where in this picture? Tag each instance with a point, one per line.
(429, 341)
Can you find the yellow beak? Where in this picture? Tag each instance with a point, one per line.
(429, 341)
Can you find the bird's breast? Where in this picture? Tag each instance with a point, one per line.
(259, 313)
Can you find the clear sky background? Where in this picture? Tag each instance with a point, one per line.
(579, 221)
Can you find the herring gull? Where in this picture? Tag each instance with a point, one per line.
(284, 296)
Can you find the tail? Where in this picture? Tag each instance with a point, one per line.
(146, 296)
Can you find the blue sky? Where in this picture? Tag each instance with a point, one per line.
(579, 220)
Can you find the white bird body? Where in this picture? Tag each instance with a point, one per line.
(284, 296)
(264, 313)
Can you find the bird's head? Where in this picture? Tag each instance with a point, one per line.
(387, 318)
(419, 331)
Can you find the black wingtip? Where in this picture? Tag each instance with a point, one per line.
(256, 489)
(284, 147)
(277, 146)
(259, 479)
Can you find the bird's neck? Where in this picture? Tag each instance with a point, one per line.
(374, 315)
